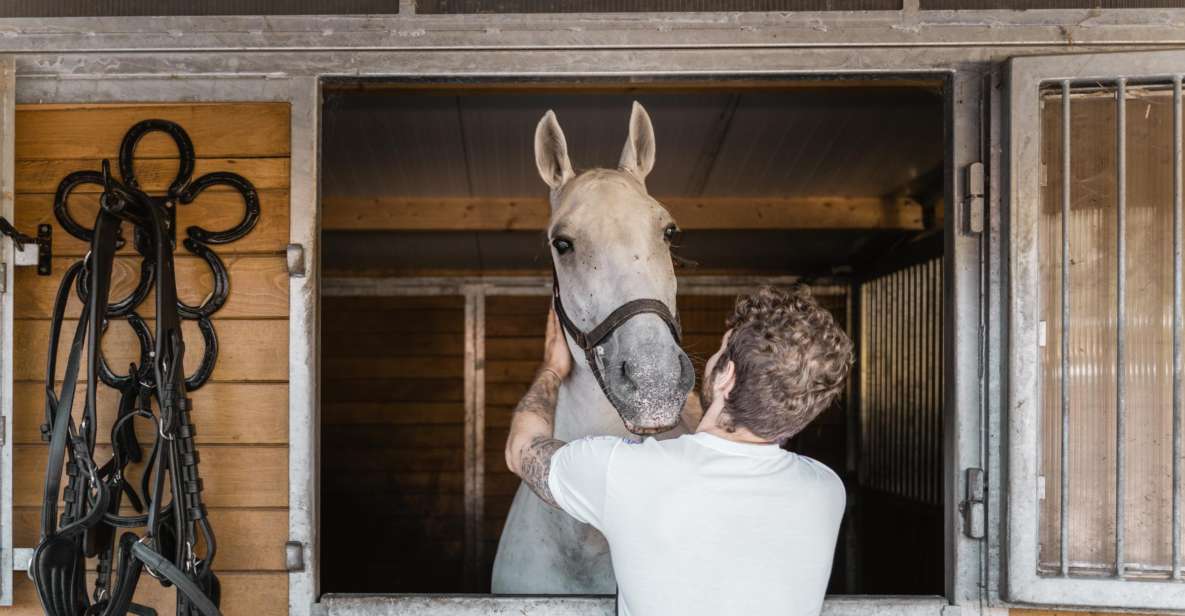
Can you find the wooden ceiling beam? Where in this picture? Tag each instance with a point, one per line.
(527, 214)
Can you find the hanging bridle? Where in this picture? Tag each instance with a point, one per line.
(590, 342)
(174, 532)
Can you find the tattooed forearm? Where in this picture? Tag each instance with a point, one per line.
(530, 446)
(541, 397)
(536, 466)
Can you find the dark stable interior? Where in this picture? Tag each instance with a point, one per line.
(393, 378)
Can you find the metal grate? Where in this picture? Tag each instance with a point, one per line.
(1024, 5)
(656, 6)
(1111, 346)
(901, 383)
(172, 8)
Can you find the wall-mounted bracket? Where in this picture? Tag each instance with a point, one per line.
(294, 255)
(974, 524)
(31, 250)
(974, 200)
(294, 556)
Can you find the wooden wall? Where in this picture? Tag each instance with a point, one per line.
(392, 441)
(241, 415)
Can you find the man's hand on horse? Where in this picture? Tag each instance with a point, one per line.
(556, 356)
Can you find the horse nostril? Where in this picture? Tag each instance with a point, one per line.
(627, 375)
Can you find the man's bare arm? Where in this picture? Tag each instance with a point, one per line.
(531, 443)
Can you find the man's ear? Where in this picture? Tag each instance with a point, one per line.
(551, 152)
(726, 379)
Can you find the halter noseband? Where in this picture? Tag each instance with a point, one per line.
(590, 343)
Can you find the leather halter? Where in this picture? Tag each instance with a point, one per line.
(91, 517)
(590, 342)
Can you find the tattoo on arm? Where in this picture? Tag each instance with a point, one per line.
(536, 466)
(535, 456)
(541, 397)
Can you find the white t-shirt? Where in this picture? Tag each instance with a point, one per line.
(703, 525)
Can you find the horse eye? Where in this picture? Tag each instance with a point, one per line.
(562, 245)
(671, 233)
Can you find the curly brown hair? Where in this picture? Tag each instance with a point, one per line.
(791, 360)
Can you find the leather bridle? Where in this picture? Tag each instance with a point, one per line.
(174, 532)
(591, 342)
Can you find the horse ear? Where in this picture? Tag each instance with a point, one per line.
(551, 152)
(638, 155)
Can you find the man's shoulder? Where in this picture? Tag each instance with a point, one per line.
(823, 476)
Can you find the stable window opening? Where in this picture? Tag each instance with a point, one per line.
(437, 281)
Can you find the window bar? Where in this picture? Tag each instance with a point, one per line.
(1064, 506)
(1120, 315)
(1177, 319)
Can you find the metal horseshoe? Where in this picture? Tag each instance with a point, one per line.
(250, 203)
(221, 284)
(144, 372)
(62, 212)
(127, 153)
(126, 305)
(209, 355)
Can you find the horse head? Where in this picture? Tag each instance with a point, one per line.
(611, 248)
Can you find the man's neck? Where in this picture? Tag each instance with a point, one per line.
(738, 434)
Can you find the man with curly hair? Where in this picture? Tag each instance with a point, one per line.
(723, 520)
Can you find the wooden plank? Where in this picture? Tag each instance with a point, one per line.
(339, 304)
(242, 593)
(259, 286)
(500, 371)
(356, 324)
(248, 539)
(529, 214)
(334, 413)
(43, 176)
(403, 345)
(429, 482)
(384, 440)
(217, 130)
(224, 413)
(382, 390)
(213, 210)
(259, 352)
(402, 367)
(234, 475)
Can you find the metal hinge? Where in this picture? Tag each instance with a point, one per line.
(973, 504)
(3, 278)
(295, 257)
(3, 431)
(294, 556)
(973, 201)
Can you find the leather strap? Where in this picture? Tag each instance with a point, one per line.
(90, 518)
(590, 342)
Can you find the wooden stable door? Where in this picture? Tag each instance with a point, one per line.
(241, 414)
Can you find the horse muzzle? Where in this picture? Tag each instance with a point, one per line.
(649, 386)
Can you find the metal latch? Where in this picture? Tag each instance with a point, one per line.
(295, 257)
(973, 505)
(973, 201)
(31, 250)
(294, 556)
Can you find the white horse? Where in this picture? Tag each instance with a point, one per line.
(611, 244)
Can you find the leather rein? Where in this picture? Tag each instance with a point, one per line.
(591, 342)
(177, 545)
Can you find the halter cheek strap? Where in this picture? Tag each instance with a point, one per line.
(590, 342)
